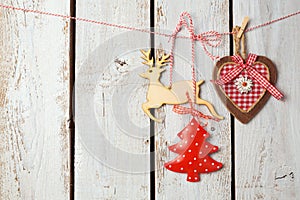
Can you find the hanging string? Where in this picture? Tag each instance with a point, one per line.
(190, 27)
(272, 21)
(205, 38)
(213, 41)
(186, 21)
(239, 43)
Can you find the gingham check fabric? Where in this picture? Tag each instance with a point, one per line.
(249, 69)
(244, 101)
(238, 68)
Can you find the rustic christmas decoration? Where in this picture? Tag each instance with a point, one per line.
(245, 86)
(159, 94)
(193, 151)
(186, 136)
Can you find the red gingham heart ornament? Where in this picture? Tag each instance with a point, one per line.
(245, 87)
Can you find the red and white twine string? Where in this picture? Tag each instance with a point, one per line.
(210, 38)
(272, 21)
(183, 23)
(187, 22)
(206, 36)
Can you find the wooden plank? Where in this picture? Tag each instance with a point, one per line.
(267, 163)
(34, 102)
(208, 15)
(112, 132)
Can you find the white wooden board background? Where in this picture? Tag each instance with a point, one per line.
(34, 103)
(34, 68)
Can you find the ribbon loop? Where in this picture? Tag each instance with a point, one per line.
(237, 59)
(251, 59)
(192, 111)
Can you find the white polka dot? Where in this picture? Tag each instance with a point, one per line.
(183, 155)
(204, 135)
(180, 145)
(185, 141)
(190, 177)
(181, 168)
(196, 178)
(200, 152)
(195, 158)
(186, 129)
(178, 160)
(174, 149)
(212, 163)
(170, 166)
(190, 163)
(198, 129)
(192, 123)
(218, 167)
(195, 170)
(196, 144)
(192, 136)
(214, 148)
(190, 150)
(200, 164)
(204, 160)
(206, 170)
(206, 146)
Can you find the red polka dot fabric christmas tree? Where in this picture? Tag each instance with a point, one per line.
(193, 150)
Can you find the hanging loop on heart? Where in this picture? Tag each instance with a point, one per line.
(239, 42)
(240, 66)
(245, 83)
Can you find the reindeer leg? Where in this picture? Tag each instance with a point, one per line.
(204, 102)
(210, 107)
(146, 107)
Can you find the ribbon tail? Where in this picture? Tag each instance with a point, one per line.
(275, 92)
(265, 83)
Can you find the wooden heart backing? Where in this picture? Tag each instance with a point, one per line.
(244, 106)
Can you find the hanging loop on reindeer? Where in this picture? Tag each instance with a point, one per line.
(159, 94)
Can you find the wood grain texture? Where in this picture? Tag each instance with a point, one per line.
(267, 150)
(34, 150)
(112, 132)
(208, 15)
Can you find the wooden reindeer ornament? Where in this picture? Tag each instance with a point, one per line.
(159, 94)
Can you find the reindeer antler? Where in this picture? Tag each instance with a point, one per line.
(146, 56)
(162, 60)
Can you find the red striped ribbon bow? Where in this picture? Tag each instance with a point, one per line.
(251, 72)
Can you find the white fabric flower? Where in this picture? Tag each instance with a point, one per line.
(243, 84)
